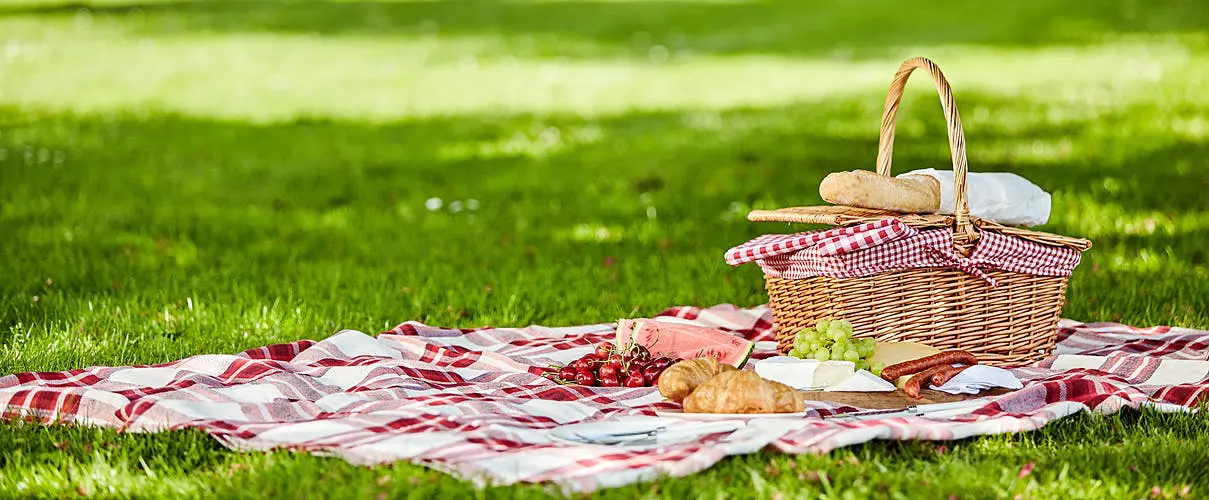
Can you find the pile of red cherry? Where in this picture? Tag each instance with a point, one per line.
(610, 366)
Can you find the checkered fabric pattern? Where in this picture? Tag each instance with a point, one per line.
(837, 241)
(889, 245)
(470, 402)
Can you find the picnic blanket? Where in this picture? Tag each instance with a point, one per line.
(470, 401)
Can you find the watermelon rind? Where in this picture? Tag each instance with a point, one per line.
(624, 335)
(751, 347)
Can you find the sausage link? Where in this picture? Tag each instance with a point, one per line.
(916, 382)
(953, 357)
(944, 376)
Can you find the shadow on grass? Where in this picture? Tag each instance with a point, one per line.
(793, 27)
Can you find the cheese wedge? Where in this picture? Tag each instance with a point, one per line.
(889, 353)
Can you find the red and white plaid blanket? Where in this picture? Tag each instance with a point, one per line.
(470, 402)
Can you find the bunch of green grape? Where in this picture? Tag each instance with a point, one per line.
(832, 340)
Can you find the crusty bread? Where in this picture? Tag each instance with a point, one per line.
(917, 194)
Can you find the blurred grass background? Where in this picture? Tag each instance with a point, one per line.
(180, 178)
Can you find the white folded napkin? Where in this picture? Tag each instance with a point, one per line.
(862, 381)
(976, 378)
(1002, 197)
(804, 373)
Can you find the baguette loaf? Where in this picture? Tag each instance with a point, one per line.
(919, 194)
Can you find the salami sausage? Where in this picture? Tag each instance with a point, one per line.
(944, 376)
(945, 358)
(917, 381)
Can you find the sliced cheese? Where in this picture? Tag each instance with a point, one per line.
(889, 353)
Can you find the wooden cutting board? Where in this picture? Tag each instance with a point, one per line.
(893, 400)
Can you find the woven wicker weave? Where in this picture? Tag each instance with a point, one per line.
(1012, 324)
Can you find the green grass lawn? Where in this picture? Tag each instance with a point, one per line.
(180, 178)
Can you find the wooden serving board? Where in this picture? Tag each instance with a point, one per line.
(893, 400)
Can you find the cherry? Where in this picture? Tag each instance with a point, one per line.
(640, 353)
(585, 378)
(651, 373)
(609, 381)
(635, 380)
(662, 362)
(604, 350)
(586, 363)
(609, 370)
(567, 374)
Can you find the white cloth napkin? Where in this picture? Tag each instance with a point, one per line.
(1002, 197)
(977, 378)
(804, 373)
(862, 381)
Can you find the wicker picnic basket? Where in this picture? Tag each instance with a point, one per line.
(1011, 324)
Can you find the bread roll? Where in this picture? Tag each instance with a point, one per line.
(916, 194)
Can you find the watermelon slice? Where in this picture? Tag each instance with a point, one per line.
(681, 341)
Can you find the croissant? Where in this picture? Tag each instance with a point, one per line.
(679, 380)
(743, 392)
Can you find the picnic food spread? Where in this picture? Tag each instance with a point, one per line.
(702, 368)
(646, 353)
(704, 384)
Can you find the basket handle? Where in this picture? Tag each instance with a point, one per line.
(965, 235)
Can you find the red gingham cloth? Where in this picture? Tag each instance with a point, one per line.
(835, 241)
(890, 245)
(469, 402)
